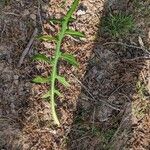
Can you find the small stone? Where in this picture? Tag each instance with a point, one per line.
(33, 16)
(26, 12)
(80, 12)
(12, 108)
(16, 77)
(16, 81)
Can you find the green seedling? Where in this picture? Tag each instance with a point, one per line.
(141, 89)
(59, 55)
(117, 25)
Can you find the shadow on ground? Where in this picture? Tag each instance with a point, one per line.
(107, 108)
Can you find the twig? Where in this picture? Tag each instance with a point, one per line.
(39, 14)
(123, 125)
(11, 13)
(26, 50)
(4, 27)
(93, 119)
(91, 95)
(115, 90)
(83, 137)
(127, 97)
(127, 45)
(137, 58)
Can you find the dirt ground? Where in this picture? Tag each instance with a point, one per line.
(107, 106)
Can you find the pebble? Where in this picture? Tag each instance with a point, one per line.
(16, 81)
(80, 12)
(33, 16)
(16, 77)
(26, 12)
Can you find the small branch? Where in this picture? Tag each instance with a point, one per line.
(115, 90)
(3, 30)
(93, 120)
(26, 50)
(39, 14)
(11, 13)
(136, 59)
(127, 45)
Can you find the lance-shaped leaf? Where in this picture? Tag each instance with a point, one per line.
(56, 21)
(72, 19)
(41, 57)
(40, 79)
(59, 21)
(70, 59)
(47, 38)
(58, 93)
(48, 94)
(74, 33)
(63, 81)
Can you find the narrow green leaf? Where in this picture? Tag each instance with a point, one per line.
(72, 9)
(63, 81)
(48, 94)
(56, 21)
(58, 93)
(40, 79)
(70, 59)
(41, 57)
(46, 38)
(74, 33)
(72, 19)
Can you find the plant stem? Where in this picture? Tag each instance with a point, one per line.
(57, 56)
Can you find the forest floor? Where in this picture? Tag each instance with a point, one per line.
(107, 106)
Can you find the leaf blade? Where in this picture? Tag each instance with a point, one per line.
(74, 33)
(41, 57)
(70, 59)
(63, 81)
(48, 94)
(58, 93)
(40, 79)
(56, 21)
(46, 38)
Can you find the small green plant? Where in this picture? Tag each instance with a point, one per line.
(59, 55)
(117, 24)
(105, 136)
(141, 89)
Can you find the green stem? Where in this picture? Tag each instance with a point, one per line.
(57, 56)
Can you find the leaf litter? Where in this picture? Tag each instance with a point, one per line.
(87, 123)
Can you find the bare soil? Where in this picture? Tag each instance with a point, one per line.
(107, 106)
